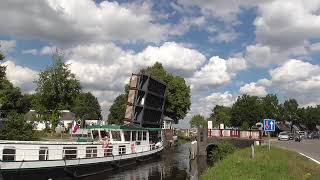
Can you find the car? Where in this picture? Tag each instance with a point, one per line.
(313, 135)
(291, 135)
(283, 136)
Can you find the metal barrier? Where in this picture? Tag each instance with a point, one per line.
(234, 133)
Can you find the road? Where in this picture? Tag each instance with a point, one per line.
(308, 147)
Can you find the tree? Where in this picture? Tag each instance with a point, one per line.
(270, 107)
(2, 68)
(178, 98)
(289, 110)
(87, 106)
(57, 88)
(221, 114)
(198, 121)
(117, 109)
(11, 99)
(16, 128)
(247, 110)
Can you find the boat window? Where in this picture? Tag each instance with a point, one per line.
(95, 134)
(144, 135)
(70, 152)
(139, 135)
(9, 154)
(127, 135)
(122, 149)
(43, 153)
(104, 133)
(91, 152)
(134, 135)
(116, 135)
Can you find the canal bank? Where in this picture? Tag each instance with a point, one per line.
(267, 164)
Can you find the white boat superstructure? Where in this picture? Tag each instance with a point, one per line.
(108, 144)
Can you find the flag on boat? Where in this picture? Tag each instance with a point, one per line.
(75, 126)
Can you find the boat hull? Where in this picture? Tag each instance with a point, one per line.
(74, 171)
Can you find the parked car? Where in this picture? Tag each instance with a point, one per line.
(313, 135)
(283, 136)
(291, 135)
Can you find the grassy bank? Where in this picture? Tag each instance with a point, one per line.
(274, 164)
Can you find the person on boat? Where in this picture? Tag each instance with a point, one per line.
(105, 143)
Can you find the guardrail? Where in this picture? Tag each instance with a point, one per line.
(235, 133)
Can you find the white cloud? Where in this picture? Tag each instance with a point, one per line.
(7, 46)
(30, 51)
(47, 50)
(288, 24)
(203, 105)
(176, 58)
(253, 89)
(264, 82)
(217, 72)
(80, 21)
(298, 79)
(20, 76)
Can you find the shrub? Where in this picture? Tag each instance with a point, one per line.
(223, 149)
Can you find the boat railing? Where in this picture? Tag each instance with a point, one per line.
(79, 153)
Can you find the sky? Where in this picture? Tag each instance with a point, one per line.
(223, 49)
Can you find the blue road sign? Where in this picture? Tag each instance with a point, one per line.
(269, 125)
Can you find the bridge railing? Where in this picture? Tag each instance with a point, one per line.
(234, 133)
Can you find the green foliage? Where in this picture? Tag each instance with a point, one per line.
(178, 98)
(57, 87)
(270, 107)
(268, 164)
(246, 109)
(117, 109)
(12, 100)
(16, 128)
(223, 149)
(87, 106)
(221, 114)
(198, 121)
(2, 68)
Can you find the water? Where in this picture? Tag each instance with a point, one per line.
(173, 165)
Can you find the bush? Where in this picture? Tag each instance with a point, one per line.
(223, 149)
(16, 128)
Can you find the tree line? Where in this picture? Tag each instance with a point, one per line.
(249, 110)
(56, 89)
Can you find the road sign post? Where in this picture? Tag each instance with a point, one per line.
(269, 125)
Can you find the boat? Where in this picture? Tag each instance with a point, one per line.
(104, 148)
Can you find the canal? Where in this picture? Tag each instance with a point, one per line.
(173, 165)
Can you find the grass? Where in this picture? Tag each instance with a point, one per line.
(274, 164)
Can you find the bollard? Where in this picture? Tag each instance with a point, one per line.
(252, 151)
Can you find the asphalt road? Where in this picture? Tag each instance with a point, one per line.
(308, 147)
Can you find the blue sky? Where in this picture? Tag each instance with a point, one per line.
(222, 48)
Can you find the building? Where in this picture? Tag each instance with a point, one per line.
(66, 118)
(38, 124)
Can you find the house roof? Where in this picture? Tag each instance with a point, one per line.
(67, 116)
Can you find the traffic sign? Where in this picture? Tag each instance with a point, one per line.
(269, 125)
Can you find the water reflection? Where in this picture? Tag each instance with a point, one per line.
(173, 165)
